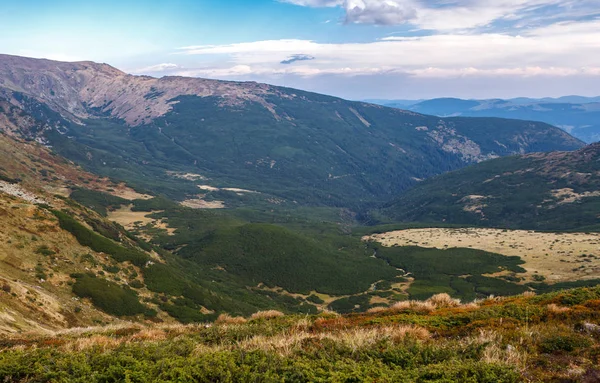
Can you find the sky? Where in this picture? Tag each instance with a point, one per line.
(356, 49)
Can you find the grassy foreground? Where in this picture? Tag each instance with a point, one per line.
(551, 337)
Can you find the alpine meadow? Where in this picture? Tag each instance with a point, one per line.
(299, 191)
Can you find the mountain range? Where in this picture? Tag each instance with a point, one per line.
(575, 114)
(179, 199)
(285, 144)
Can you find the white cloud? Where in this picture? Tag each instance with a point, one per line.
(382, 12)
(451, 14)
(156, 68)
(562, 49)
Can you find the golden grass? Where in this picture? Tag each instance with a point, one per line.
(284, 343)
(556, 256)
(199, 203)
(416, 306)
(354, 339)
(438, 301)
(556, 309)
(126, 218)
(378, 309)
(227, 319)
(443, 300)
(268, 314)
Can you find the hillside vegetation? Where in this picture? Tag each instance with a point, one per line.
(171, 135)
(549, 338)
(554, 191)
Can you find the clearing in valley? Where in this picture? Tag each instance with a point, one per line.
(558, 257)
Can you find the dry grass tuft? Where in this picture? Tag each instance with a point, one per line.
(102, 342)
(443, 300)
(494, 352)
(529, 294)
(227, 319)
(150, 334)
(268, 314)
(416, 306)
(354, 339)
(377, 310)
(556, 309)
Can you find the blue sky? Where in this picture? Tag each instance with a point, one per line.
(352, 48)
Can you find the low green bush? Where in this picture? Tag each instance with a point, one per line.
(107, 296)
(563, 343)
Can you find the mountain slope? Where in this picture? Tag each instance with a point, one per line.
(64, 265)
(286, 144)
(577, 115)
(548, 191)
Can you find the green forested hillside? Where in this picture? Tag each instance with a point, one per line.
(554, 191)
(316, 150)
(308, 148)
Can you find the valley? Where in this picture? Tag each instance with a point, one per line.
(300, 191)
(273, 216)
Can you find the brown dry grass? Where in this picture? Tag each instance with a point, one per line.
(438, 301)
(556, 309)
(556, 256)
(227, 319)
(268, 314)
(443, 300)
(354, 339)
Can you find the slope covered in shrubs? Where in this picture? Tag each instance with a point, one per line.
(550, 338)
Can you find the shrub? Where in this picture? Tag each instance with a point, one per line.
(564, 343)
(315, 299)
(355, 303)
(97, 201)
(45, 250)
(136, 284)
(107, 296)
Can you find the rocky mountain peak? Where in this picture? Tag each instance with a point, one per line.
(83, 89)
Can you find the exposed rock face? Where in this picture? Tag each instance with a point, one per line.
(452, 142)
(82, 89)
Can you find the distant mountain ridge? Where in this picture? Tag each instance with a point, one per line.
(292, 145)
(577, 115)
